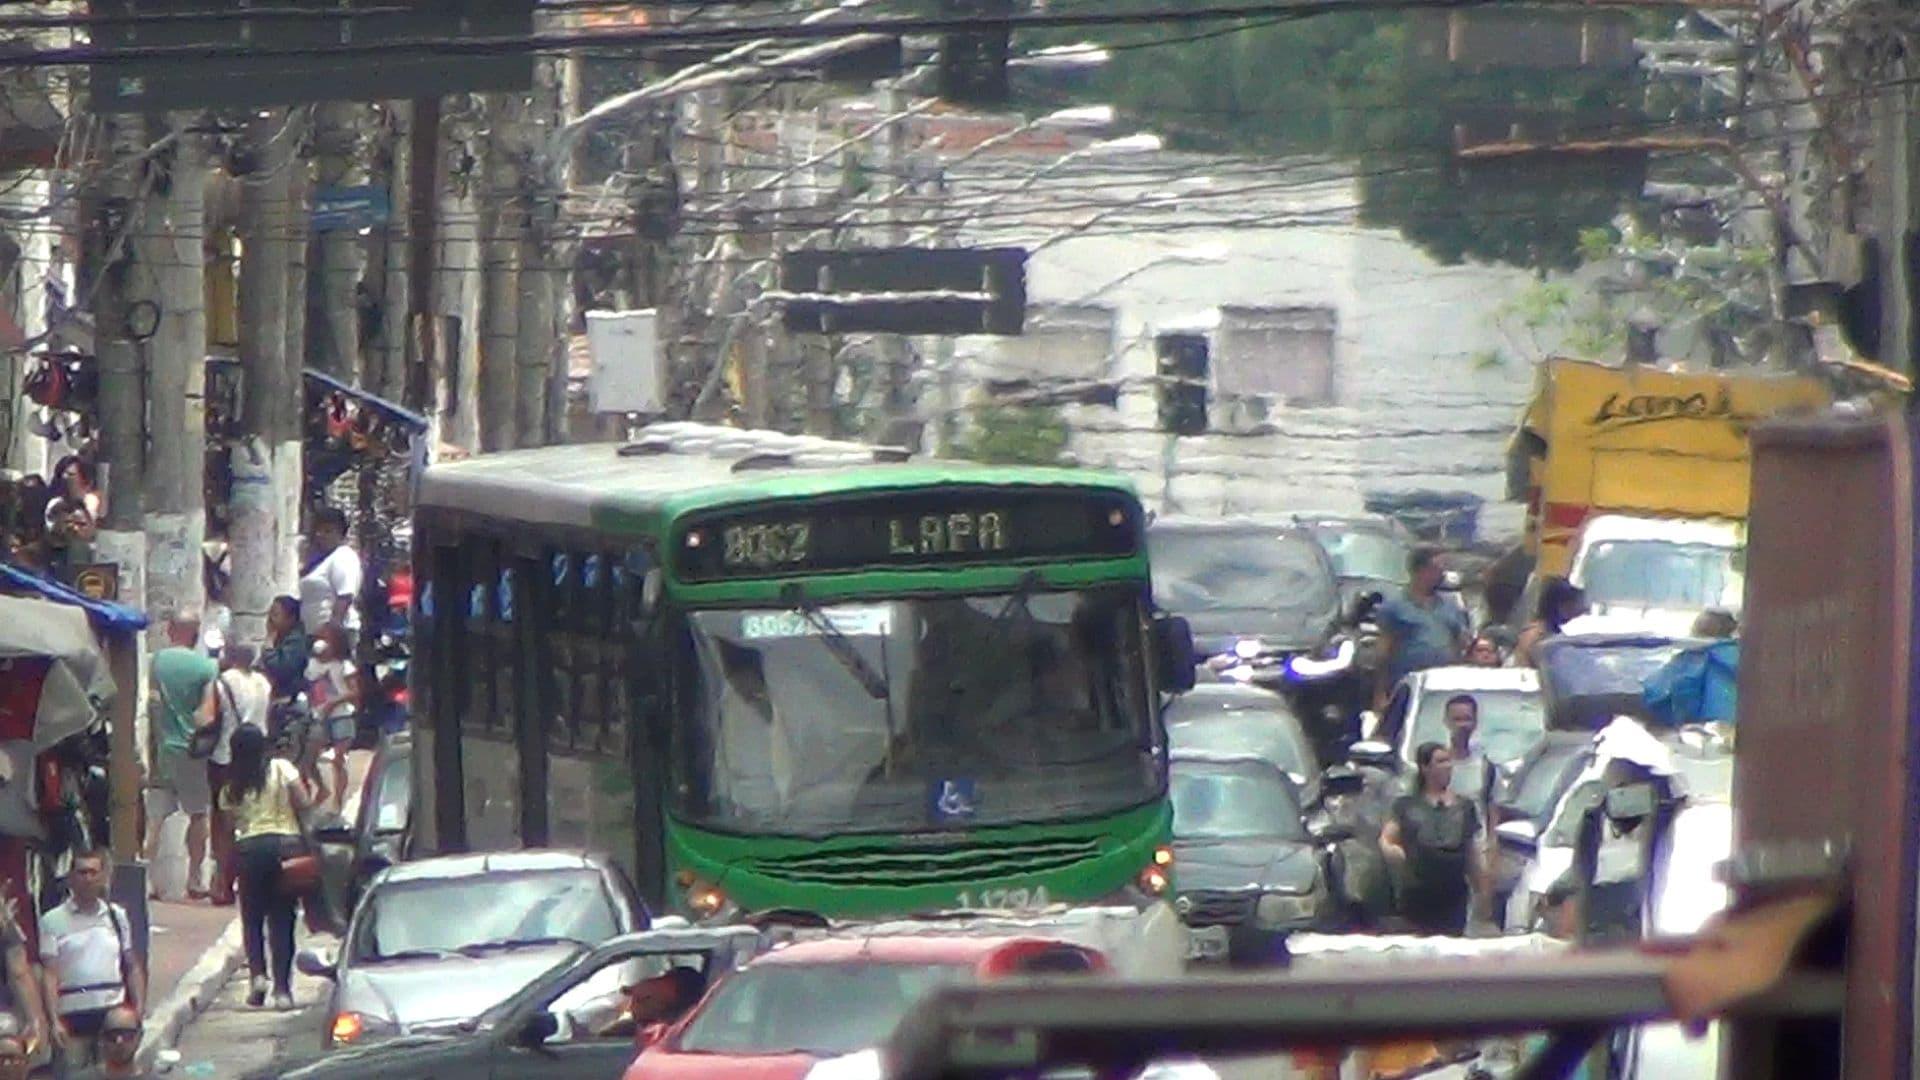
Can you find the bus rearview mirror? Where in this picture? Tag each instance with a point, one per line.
(1173, 644)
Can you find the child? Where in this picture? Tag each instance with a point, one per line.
(333, 695)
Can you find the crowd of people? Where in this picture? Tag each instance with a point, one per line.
(77, 1003)
(1435, 835)
(49, 524)
(251, 742)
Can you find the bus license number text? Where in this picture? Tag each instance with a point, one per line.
(767, 545)
(1003, 899)
(947, 534)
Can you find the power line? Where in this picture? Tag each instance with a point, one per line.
(515, 44)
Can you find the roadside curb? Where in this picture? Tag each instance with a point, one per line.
(196, 991)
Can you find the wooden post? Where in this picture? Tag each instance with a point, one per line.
(123, 758)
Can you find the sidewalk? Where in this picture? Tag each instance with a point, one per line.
(195, 947)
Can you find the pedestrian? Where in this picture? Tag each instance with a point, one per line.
(1483, 651)
(182, 676)
(333, 695)
(288, 649)
(1462, 718)
(330, 588)
(1430, 838)
(86, 947)
(1716, 624)
(266, 796)
(74, 481)
(241, 697)
(1420, 629)
(119, 1049)
(23, 1013)
(1561, 602)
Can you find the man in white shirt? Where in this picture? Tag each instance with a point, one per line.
(86, 947)
(240, 696)
(330, 589)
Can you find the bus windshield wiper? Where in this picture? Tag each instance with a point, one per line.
(1022, 593)
(836, 642)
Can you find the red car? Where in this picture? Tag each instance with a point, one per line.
(804, 1003)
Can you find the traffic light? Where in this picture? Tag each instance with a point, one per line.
(1183, 383)
(973, 64)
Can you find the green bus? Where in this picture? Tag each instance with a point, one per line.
(767, 672)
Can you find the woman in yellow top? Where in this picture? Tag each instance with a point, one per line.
(265, 796)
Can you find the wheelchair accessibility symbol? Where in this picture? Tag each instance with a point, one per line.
(954, 800)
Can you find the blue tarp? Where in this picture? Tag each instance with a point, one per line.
(1698, 685)
(108, 615)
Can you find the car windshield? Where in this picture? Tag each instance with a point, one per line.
(1540, 784)
(1659, 574)
(917, 714)
(1511, 722)
(1212, 569)
(430, 916)
(1228, 801)
(821, 1009)
(1268, 734)
(1588, 668)
(1363, 553)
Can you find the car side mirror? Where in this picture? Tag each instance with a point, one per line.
(539, 1027)
(313, 962)
(1332, 833)
(1518, 834)
(1173, 649)
(1377, 754)
(1338, 782)
(334, 834)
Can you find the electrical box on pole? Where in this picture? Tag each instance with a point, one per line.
(628, 375)
(973, 64)
(1183, 371)
(158, 55)
(905, 290)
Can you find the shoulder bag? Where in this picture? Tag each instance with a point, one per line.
(299, 870)
(201, 742)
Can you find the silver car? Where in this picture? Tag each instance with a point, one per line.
(435, 943)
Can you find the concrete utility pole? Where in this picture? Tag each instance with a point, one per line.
(287, 472)
(545, 257)
(264, 517)
(387, 358)
(899, 356)
(122, 444)
(502, 223)
(170, 243)
(334, 344)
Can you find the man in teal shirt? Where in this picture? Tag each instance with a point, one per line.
(182, 678)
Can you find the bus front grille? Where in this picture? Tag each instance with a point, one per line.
(958, 864)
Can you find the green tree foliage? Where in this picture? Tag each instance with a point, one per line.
(1378, 91)
(1015, 435)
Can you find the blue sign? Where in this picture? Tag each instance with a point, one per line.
(359, 207)
(953, 800)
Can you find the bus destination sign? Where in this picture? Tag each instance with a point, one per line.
(924, 529)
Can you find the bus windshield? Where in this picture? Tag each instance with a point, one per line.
(918, 714)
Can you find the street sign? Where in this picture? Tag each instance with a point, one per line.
(97, 581)
(298, 56)
(905, 290)
(362, 206)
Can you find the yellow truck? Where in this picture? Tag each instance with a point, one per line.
(1639, 440)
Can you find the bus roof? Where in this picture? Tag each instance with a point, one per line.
(697, 466)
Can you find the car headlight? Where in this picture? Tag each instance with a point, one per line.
(350, 1028)
(1284, 909)
(1248, 648)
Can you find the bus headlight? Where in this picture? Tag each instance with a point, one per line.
(1157, 876)
(1276, 910)
(707, 902)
